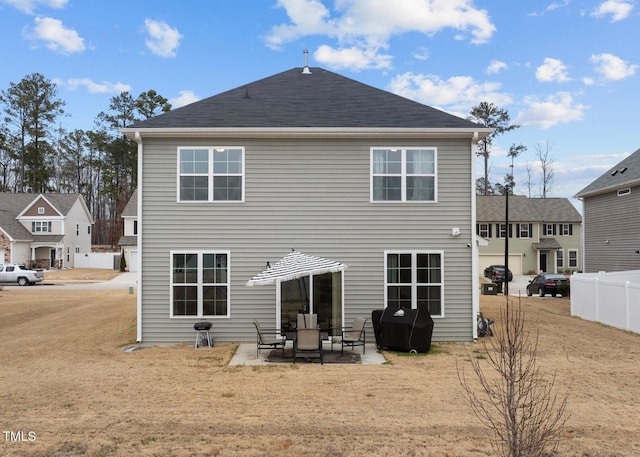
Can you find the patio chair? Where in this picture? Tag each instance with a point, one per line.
(266, 339)
(352, 336)
(308, 340)
(307, 320)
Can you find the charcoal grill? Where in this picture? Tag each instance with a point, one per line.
(203, 334)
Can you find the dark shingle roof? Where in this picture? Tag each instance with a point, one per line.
(491, 208)
(131, 210)
(293, 99)
(624, 174)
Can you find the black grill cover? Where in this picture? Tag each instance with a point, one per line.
(411, 332)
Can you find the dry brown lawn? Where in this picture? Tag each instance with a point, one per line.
(65, 379)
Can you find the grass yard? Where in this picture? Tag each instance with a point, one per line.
(67, 389)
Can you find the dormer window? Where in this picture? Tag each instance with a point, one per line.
(40, 209)
(41, 226)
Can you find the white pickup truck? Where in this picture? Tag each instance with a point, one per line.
(20, 274)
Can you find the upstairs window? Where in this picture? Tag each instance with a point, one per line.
(403, 175)
(41, 227)
(212, 174)
(484, 230)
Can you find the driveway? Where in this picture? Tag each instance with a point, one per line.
(121, 282)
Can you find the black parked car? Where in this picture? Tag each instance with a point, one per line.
(496, 273)
(546, 284)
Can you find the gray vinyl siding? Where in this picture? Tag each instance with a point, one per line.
(616, 219)
(312, 195)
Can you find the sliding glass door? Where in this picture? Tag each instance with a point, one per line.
(323, 297)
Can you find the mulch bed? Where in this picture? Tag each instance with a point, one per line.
(276, 356)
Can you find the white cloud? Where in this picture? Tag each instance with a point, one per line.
(496, 66)
(557, 5)
(56, 36)
(353, 58)
(612, 67)
(163, 40)
(96, 88)
(555, 109)
(421, 53)
(552, 70)
(458, 93)
(30, 6)
(364, 27)
(618, 9)
(184, 98)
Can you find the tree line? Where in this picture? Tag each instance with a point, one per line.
(38, 155)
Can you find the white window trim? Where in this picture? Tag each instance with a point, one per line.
(403, 175)
(569, 252)
(39, 225)
(524, 228)
(484, 233)
(564, 229)
(199, 314)
(210, 175)
(414, 278)
(548, 229)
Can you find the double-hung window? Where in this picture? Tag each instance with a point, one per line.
(403, 174)
(573, 258)
(40, 226)
(200, 284)
(213, 174)
(414, 280)
(484, 230)
(560, 259)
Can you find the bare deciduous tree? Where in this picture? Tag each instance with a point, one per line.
(528, 180)
(543, 154)
(514, 398)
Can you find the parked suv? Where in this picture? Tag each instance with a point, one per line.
(546, 284)
(496, 273)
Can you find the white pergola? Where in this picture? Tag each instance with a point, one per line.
(293, 266)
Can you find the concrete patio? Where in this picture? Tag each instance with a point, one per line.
(246, 354)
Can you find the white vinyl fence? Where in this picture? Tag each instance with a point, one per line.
(107, 260)
(609, 298)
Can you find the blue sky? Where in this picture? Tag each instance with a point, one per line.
(567, 71)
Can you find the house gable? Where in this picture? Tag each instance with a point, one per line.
(40, 207)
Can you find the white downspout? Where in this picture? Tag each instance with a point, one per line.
(138, 139)
(475, 281)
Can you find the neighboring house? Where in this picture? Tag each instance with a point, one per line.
(373, 190)
(611, 209)
(44, 230)
(129, 240)
(544, 234)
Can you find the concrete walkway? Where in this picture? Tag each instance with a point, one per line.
(246, 355)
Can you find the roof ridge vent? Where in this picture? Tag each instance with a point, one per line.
(305, 70)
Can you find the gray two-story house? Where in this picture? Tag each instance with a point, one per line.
(611, 208)
(375, 192)
(544, 234)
